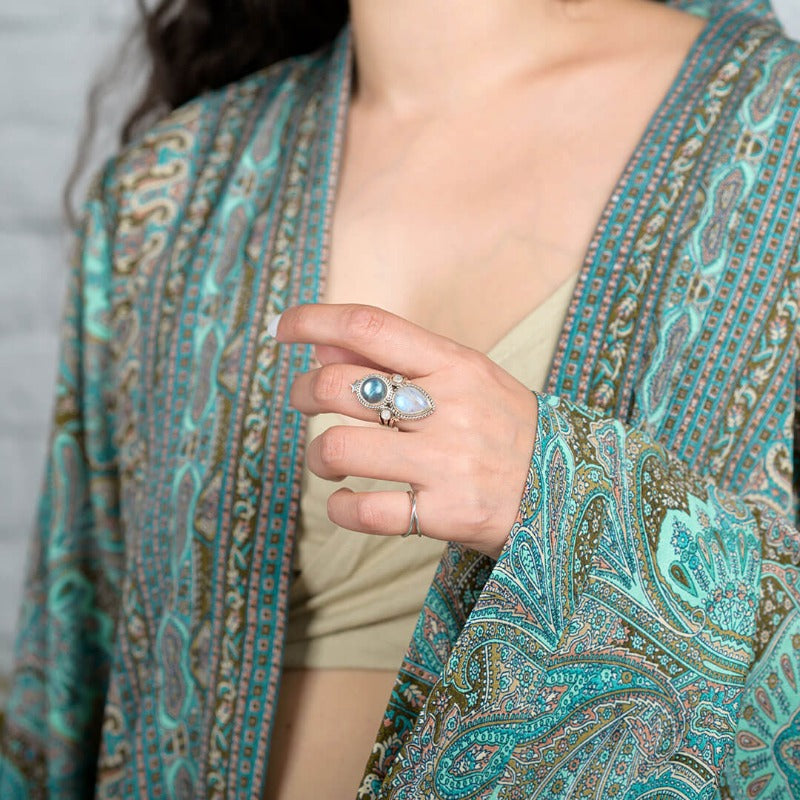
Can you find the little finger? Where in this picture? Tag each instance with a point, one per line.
(379, 513)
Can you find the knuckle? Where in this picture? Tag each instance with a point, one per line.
(476, 480)
(297, 320)
(481, 366)
(331, 448)
(334, 506)
(478, 511)
(368, 516)
(485, 516)
(363, 322)
(328, 384)
(453, 351)
(473, 466)
(461, 419)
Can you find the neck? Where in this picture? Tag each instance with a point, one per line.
(417, 55)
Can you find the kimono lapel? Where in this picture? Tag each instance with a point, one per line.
(291, 160)
(617, 291)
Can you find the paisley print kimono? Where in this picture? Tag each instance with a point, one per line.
(639, 636)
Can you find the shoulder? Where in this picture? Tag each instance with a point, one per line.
(746, 131)
(177, 169)
(747, 104)
(769, 74)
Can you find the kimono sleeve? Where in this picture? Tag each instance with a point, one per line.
(610, 648)
(51, 730)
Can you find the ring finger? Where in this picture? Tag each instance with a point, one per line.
(364, 452)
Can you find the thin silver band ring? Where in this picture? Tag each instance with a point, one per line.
(413, 525)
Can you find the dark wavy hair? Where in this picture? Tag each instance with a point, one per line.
(193, 46)
(197, 45)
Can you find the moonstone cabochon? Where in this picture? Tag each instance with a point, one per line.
(411, 400)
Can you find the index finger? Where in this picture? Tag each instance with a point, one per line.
(372, 332)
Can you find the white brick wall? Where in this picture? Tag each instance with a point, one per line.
(48, 52)
(789, 12)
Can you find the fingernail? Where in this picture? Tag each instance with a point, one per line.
(272, 324)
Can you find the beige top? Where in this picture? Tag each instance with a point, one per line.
(356, 598)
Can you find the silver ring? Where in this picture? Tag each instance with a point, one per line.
(413, 525)
(393, 398)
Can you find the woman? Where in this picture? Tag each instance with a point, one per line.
(616, 612)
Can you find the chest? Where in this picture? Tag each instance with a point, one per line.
(465, 225)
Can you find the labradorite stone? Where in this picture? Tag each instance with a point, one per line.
(410, 400)
(373, 390)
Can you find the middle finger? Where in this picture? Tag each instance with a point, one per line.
(329, 389)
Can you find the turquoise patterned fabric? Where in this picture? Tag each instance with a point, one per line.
(639, 636)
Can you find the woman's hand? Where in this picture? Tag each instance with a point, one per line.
(467, 462)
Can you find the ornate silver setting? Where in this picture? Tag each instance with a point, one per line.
(393, 398)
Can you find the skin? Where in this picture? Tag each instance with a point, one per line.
(485, 129)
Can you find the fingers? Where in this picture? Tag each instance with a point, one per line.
(381, 513)
(328, 354)
(372, 333)
(388, 513)
(329, 389)
(366, 453)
